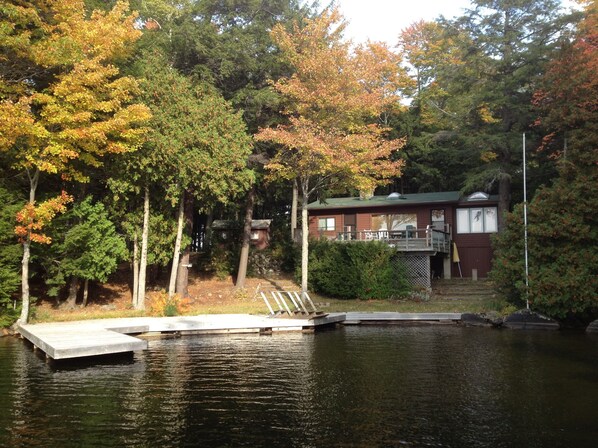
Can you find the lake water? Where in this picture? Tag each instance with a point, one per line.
(354, 387)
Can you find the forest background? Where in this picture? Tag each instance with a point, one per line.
(118, 129)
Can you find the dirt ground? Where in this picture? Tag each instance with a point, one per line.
(206, 295)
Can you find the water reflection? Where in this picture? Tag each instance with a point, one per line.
(357, 387)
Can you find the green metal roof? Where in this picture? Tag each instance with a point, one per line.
(383, 201)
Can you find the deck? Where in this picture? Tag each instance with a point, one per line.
(69, 340)
(411, 240)
(64, 340)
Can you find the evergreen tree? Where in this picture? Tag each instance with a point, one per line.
(563, 225)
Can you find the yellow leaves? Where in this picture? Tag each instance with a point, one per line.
(88, 109)
(73, 37)
(485, 114)
(32, 219)
(488, 156)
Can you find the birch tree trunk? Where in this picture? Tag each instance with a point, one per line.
(24, 318)
(135, 297)
(294, 210)
(304, 240)
(177, 247)
(244, 258)
(143, 261)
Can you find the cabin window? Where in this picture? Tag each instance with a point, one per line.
(477, 220)
(401, 221)
(326, 224)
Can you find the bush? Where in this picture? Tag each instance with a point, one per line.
(162, 305)
(358, 270)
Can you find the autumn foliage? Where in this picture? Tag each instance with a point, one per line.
(333, 102)
(32, 218)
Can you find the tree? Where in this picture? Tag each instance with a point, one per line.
(433, 153)
(333, 101)
(204, 146)
(509, 42)
(63, 104)
(10, 252)
(89, 249)
(562, 221)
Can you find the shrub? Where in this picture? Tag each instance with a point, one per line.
(357, 270)
(162, 305)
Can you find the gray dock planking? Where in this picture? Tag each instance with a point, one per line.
(356, 318)
(64, 340)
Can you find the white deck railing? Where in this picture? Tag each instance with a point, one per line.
(428, 239)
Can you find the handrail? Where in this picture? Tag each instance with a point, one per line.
(408, 239)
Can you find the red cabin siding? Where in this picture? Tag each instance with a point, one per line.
(475, 249)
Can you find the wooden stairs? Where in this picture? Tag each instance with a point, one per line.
(462, 289)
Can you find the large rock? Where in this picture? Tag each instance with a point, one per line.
(529, 320)
(490, 319)
(593, 327)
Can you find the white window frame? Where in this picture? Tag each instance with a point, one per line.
(327, 224)
(466, 222)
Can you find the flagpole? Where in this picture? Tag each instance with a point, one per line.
(525, 227)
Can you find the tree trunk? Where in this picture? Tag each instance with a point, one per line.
(143, 262)
(71, 300)
(24, 318)
(85, 292)
(304, 241)
(135, 297)
(177, 246)
(243, 259)
(25, 282)
(294, 210)
(182, 281)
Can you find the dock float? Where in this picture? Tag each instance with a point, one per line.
(388, 317)
(67, 340)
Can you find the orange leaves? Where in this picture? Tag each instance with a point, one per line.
(332, 81)
(32, 218)
(334, 100)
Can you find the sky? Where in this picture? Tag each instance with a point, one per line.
(383, 20)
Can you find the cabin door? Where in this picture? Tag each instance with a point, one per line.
(438, 222)
(350, 226)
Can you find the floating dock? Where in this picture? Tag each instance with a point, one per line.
(65, 340)
(388, 317)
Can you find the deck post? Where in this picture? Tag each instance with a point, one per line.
(446, 267)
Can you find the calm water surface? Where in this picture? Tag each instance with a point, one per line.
(353, 387)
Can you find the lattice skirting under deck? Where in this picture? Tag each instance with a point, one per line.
(416, 268)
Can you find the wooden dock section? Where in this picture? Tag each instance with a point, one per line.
(358, 318)
(64, 340)
(67, 340)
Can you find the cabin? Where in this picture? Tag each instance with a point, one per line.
(439, 235)
(227, 230)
